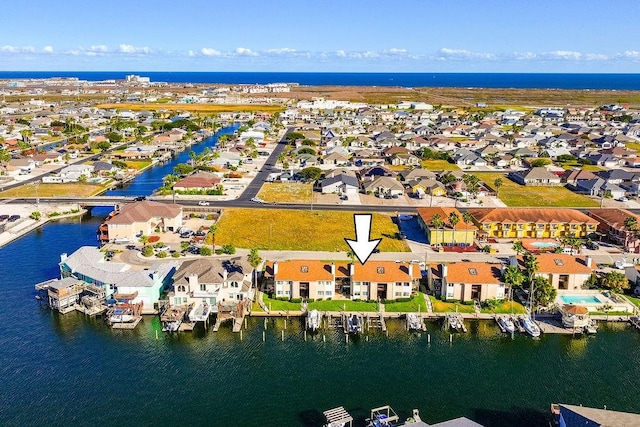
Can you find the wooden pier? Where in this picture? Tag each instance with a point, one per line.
(635, 321)
(376, 321)
(127, 325)
(455, 321)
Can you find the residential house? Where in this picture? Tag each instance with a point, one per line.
(447, 234)
(198, 182)
(306, 278)
(468, 281)
(212, 281)
(384, 280)
(140, 285)
(564, 272)
(612, 223)
(72, 173)
(340, 183)
(518, 223)
(573, 176)
(140, 218)
(537, 176)
(601, 188)
(383, 186)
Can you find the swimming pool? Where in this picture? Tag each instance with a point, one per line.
(580, 299)
(545, 244)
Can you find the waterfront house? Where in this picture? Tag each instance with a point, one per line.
(583, 416)
(64, 294)
(383, 280)
(447, 234)
(305, 278)
(140, 218)
(198, 182)
(134, 284)
(563, 271)
(212, 281)
(611, 223)
(468, 281)
(517, 223)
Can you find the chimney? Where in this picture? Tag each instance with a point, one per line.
(410, 269)
(275, 268)
(588, 261)
(333, 269)
(225, 274)
(352, 269)
(193, 282)
(444, 270)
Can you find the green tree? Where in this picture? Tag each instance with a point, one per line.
(454, 219)
(183, 169)
(497, 183)
(438, 223)
(5, 157)
(631, 223)
(104, 145)
(113, 137)
(537, 163)
(147, 251)
(513, 277)
(144, 239)
(311, 173)
(184, 246)
(543, 292)
(517, 247)
(213, 229)
(531, 266)
(616, 281)
(467, 219)
(36, 215)
(254, 260)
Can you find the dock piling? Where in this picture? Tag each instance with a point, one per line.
(156, 334)
(450, 338)
(240, 334)
(305, 335)
(263, 336)
(282, 335)
(265, 323)
(324, 338)
(428, 338)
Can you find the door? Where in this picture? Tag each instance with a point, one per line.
(476, 292)
(382, 291)
(304, 289)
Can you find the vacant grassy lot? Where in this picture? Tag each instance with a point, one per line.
(439, 165)
(199, 108)
(54, 190)
(286, 193)
(449, 307)
(342, 305)
(138, 165)
(573, 165)
(407, 307)
(506, 307)
(516, 195)
(280, 229)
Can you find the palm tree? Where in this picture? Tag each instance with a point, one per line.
(513, 277)
(254, 260)
(5, 157)
(517, 246)
(467, 218)
(438, 223)
(631, 223)
(497, 183)
(531, 265)
(454, 219)
(213, 229)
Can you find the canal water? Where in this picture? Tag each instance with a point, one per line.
(68, 370)
(150, 180)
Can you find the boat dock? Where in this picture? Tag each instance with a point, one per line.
(234, 312)
(455, 321)
(415, 322)
(376, 321)
(127, 325)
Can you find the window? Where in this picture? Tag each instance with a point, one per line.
(279, 293)
(181, 288)
(184, 300)
(320, 293)
(328, 293)
(304, 268)
(380, 270)
(473, 272)
(203, 287)
(234, 284)
(365, 293)
(558, 262)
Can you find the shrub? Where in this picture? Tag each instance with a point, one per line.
(162, 254)
(228, 249)
(54, 214)
(176, 255)
(147, 251)
(296, 300)
(310, 299)
(158, 244)
(205, 251)
(219, 251)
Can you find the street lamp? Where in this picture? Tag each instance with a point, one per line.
(36, 184)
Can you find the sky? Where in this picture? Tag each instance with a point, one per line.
(324, 36)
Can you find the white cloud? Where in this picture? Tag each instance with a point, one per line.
(127, 48)
(48, 49)
(631, 54)
(206, 51)
(16, 49)
(565, 54)
(397, 51)
(341, 53)
(282, 51)
(99, 48)
(523, 56)
(243, 51)
(458, 54)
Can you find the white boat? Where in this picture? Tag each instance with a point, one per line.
(414, 322)
(121, 318)
(591, 328)
(355, 326)
(530, 326)
(171, 326)
(313, 320)
(506, 324)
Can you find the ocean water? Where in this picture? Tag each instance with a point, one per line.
(476, 80)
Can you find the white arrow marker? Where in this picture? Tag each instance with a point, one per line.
(362, 247)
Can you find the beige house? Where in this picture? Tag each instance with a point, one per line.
(468, 281)
(212, 281)
(305, 278)
(385, 280)
(564, 272)
(140, 218)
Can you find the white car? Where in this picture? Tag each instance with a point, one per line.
(203, 203)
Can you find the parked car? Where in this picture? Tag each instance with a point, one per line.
(623, 199)
(13, 218)
(4, 217)
(139, 198)
(163, 248)
(203, 203)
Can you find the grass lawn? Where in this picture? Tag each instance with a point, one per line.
(633, 145)
(449, 307)
(409, 306)
(342, 305)
(610, 313)
(286, 193)
(71, 189)
(570, 166)
(516, 195)
(282, 229)
(506, 307)
(202, 108)
(439, 165)
(635, 301)
(138, 165)
(277, 305)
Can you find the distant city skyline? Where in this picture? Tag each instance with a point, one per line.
(339, 36)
